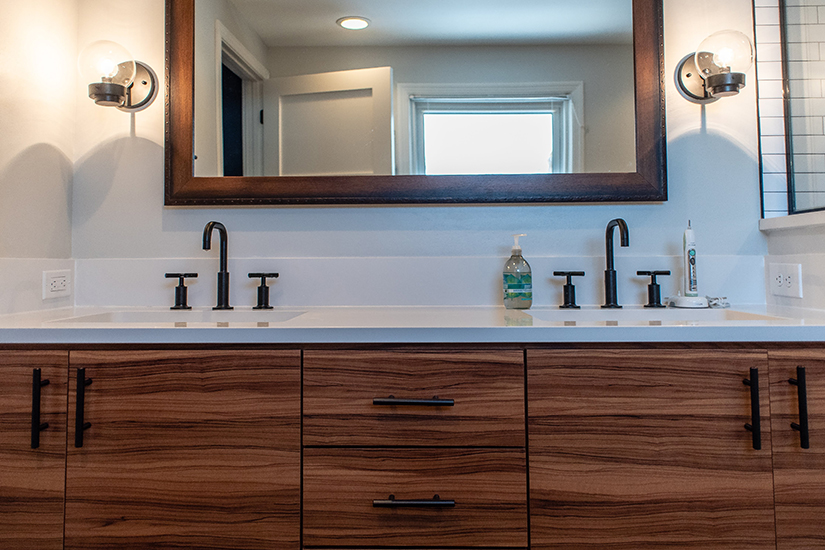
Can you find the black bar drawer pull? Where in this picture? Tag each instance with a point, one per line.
(392, 502)
(79, 424)
(434, 402)
(755, 427)
(802, 390)
(37, 426)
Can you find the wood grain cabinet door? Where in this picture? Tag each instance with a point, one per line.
(32, 460)
(414, 397)
(644, 449)
(184, 449)
(799, 473)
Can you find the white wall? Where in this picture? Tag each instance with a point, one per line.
(799, 239)
(605, 70)
(713, 180)
(37, 98)
(37, 108)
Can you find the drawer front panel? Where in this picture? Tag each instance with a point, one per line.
(347, 398)
(342, 488)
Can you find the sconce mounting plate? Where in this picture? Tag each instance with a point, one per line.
(143, 91)
(690, 82)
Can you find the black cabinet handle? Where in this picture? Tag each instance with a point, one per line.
(434, 402)
(392, 502)
(802, 391)
(37, 426)
(79, 424)
(755, 427)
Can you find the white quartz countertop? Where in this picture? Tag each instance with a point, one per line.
(411, 324)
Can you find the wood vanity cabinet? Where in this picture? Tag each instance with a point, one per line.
(183, 449)
(799, 473)
(414, 448)
(32, 460)
(634, 449)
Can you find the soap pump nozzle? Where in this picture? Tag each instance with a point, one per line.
(516, 248)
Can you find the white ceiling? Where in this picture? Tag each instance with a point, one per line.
(407, 22)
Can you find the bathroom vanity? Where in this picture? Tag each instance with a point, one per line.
(637, 440)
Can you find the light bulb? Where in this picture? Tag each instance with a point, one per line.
(106, 61)
(722, 52)
(109, 69)
(723, 58)
(354, 23)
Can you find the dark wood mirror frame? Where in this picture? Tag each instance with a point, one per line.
(647, 184)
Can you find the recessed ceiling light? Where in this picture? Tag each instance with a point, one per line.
(354, 23)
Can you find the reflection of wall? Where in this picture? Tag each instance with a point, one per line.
(607, 73)
(206, 13)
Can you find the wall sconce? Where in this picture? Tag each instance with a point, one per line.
(115, 78)
(717, 68)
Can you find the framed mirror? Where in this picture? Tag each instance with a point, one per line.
(193, 175)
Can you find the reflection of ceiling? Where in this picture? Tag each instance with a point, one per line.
(406, 22)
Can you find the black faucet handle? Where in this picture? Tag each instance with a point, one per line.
(180, 290)
(569, 288)
(654, 292)
(569, 274)
(263, 289)
(263, 276)
(652, 274)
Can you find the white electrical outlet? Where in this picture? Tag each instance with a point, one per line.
(57, 284)
(785, 279)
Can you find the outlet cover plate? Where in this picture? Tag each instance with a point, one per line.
(785, 279)
(57, 284)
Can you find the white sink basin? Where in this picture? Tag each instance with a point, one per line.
(183, 318)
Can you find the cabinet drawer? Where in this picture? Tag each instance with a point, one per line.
(344, 490)
(486, 389)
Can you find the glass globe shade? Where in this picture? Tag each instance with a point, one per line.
(724, 52)
(107, 62)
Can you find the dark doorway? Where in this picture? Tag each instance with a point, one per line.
(232, 123)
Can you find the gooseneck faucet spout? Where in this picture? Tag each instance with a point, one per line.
(223, 274)
(610, 287)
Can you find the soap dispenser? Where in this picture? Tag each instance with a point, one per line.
(518, 280)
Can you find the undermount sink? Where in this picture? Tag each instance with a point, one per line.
(636, 315)
(181, 318)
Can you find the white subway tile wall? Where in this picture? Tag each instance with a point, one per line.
(771, 107)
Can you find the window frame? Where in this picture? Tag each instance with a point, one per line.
(468, 96)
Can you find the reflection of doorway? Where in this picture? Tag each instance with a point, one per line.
(335, 123)
(232, 99)
(240, 104)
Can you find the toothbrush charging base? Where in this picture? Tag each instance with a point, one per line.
(695, 302)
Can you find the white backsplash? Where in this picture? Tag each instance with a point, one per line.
(21, 284)
(402, 281)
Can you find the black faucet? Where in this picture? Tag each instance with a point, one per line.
(223, 274)
(610, 291)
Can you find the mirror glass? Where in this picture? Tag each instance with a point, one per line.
(805, 145)
(430, 87)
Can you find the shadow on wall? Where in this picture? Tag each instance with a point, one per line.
(125, 172)
(35, 204)
(716, 179)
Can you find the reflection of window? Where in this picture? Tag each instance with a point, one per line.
(461, 129)
(490, 135)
